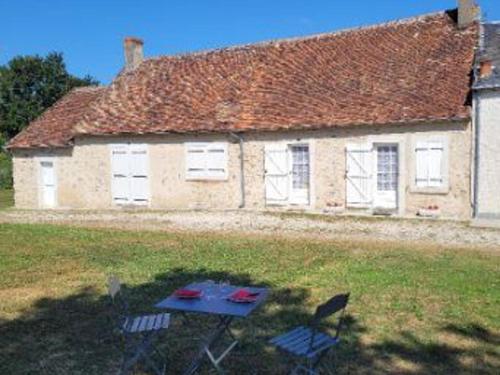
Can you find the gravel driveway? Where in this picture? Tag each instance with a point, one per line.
(317, 226)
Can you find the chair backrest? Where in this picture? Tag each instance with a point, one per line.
(332, 306)
(119, 301)
(114, 286)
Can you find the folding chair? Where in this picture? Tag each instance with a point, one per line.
(306, 343)
(138, 332)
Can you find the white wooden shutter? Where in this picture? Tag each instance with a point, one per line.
(429, 164)
(216, 160)
(359, 175)
(276, 173)
(421, 158)
(139, 184)
(435, 164)
(196, 160)
(120, 173)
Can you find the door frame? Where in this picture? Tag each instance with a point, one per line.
(312, 191)
(291, 200)
(403, 142)
(41, 186)
(375, 146)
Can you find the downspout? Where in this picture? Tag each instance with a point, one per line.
(239, 139)
(476, 150)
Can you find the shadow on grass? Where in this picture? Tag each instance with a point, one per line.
(74, 335)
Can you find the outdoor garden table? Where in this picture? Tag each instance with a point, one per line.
(214, 300)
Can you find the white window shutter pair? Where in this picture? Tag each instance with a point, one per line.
(276, 166)
(206, 160)
(129, 165)
(429, 164)
(359, 175)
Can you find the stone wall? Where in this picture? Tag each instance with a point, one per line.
(84, 177)
(488, 154)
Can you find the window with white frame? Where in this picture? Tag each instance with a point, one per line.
(430, 164)
(206, 160)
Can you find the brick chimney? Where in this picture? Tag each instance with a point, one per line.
(468, 12)
(485, 68)
(134, 52)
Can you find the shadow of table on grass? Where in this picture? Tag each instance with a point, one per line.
(73, 335)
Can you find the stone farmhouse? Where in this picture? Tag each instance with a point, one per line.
(375, 120)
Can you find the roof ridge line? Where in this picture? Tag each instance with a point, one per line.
(88, 88)
(270, 42)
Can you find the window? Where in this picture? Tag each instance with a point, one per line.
(387, 168)
(206, 161)
(429, 164)
(300, 167)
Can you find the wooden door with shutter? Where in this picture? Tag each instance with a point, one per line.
(276, 174)
(359, 175)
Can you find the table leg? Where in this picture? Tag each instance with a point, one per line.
(212, 339)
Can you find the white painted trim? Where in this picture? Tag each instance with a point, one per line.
(47, 159)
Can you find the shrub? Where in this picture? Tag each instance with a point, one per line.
(5, 171)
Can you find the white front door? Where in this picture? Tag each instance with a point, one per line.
(130, 177)
(300, 168)
(48, 184)
(387, 167)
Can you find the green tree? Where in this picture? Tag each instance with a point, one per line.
(31, 84)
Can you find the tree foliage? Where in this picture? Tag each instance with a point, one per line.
(31, 84)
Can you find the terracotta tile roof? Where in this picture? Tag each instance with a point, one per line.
(406, 71)
(54, 128)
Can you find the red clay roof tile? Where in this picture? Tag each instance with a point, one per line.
(54, 128)
(407, 71)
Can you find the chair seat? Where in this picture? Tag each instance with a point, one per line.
(146, 323)
(298, 341)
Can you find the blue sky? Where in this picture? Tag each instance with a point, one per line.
(90, 32)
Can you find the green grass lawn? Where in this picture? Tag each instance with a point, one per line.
(6, 198)
(413, 309)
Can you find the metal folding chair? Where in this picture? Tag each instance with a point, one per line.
(138, 332)
(307, 344)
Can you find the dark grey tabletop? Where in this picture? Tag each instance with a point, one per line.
(214, 300)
